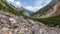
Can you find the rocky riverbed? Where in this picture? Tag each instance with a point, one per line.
(12, 24)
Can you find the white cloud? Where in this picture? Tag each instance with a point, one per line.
(38, 4)
(36, 8)
(10, 1)
(17, 4)
(42, 2)
(29, 7)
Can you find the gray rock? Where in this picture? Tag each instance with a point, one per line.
(12, 24)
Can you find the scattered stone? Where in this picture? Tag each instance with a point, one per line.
(13, 24)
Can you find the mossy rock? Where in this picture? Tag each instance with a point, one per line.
(20, 33)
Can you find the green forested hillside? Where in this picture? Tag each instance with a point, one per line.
(23, 10)
(4, 6)
(52, 21)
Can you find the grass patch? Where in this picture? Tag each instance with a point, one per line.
(51, 21)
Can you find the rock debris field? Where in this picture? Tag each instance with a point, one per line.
(12, 24)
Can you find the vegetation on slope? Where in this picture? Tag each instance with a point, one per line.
(8, 8)
(43, 10)
(24, 11)
(51, 21)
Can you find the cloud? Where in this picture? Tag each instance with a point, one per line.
(36, 8)
(30, 8)
(38, 5)
(10, 1)
(42, 2)
(17, 4)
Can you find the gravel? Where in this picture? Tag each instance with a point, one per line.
(12, 24)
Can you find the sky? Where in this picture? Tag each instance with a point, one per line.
(32, 5)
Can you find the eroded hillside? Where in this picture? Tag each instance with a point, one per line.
(55, 11)
(43, 12)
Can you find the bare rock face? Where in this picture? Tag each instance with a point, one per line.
(56, 10)
(12, 24)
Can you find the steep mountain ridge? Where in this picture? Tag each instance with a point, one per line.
(53, 12)
(45, 9)
(52, 17)
(25, 12)
(56, 11)
(17, 11)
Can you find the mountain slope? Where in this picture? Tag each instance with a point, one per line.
(25, 12)
(45, 9)
(4, 6)
(52, 12)
(56, 10)
(54, 17)
(12, 9)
